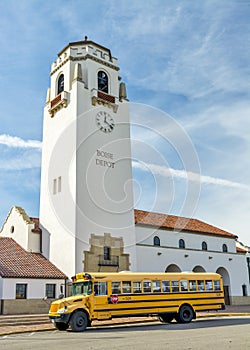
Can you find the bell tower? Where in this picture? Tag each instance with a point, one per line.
(86, 180)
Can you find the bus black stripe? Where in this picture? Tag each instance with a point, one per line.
(163, 300)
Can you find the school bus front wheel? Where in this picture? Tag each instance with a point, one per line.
(79, 321)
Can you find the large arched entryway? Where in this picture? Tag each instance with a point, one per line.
(198, 268)
(173, 268)
(226, 283)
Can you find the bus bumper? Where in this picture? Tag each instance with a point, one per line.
(60, 318)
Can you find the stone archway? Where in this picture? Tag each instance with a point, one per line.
(173, 268)
(226, 283)
(198, 268)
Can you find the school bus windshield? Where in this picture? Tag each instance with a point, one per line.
(82, 288)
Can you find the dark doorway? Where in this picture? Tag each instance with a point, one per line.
(226, 295)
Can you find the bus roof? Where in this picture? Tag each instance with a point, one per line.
(127, 275)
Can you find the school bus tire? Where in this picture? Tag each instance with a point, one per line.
(79, 321)
(185, 314)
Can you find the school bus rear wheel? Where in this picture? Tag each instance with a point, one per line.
(185, 314)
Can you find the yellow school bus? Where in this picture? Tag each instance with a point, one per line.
(102, 296)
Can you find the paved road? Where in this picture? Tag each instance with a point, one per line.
(222, 333)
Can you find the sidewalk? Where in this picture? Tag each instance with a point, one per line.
(11, 324)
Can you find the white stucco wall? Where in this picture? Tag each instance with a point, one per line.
(15, 227)
(158, 258)
(35, 287)
(170, 238)
(20, 230)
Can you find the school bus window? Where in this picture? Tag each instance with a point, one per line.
(209, 285)
(116, 288)
(201, 285)
(147, 286)
(100, 288)
(156, 286)
(82, 288)
(175, 286)
(126, 287)
(192, 286)
(137, 287)
(216, 285)
(166, 286)
(184, 286)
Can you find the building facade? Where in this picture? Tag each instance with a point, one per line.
(86, 208)
(174, 244)
(26, 276)
(87, 216)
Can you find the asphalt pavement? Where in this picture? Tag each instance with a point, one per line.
(11, 324)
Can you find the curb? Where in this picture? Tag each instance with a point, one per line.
(114, 324)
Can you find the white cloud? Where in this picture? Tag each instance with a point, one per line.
(17, 142)
(29, 159)
(189, 176)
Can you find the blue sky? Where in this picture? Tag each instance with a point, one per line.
(186, 66)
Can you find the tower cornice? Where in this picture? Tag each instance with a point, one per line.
(82, 58)
(85, 42)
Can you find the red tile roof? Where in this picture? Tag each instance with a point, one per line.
(177, 223)
(16, 262)
(241, 250)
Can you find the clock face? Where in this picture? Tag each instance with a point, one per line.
(104, 121)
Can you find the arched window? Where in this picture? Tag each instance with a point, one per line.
(103, 82)
(182, 244)
(204, 246)
(157, 241)
(60, 84)
(224, 248)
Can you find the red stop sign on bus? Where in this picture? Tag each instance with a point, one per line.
(114, 299)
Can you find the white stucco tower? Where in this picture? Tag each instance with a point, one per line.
(86, 182)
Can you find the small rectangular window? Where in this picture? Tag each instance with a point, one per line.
(126, 287)
(166, 286)
(59, 185)
(50, 291)
(156, 286)
(216, 285)
(147, 286)
(201, 285)
(209, 285)
(184, 285)
(106, 252)
(54, 186)
(21, 291)
(192, 286)
(116, 288)
(175, 286)
(136, 287)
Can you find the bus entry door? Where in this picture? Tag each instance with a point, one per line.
(101, 306)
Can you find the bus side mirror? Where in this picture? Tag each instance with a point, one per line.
(61, 296)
